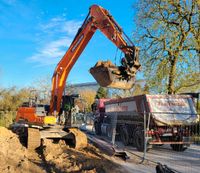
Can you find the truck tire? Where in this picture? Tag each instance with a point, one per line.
(178, 147)
(124, 135)
(97, 127)
(139, 139)
(108, 132)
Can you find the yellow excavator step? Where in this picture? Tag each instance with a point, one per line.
(49, 120)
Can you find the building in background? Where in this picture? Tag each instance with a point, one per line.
(77, 88)
(87, 92)
(92, 86)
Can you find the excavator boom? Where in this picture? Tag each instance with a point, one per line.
(31, 119)
(105, 73)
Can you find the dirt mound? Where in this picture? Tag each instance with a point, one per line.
(53, 156)
(65, 159)
(13, 156)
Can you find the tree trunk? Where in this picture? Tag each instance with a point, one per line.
(172, 72)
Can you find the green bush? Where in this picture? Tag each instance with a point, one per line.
(7, 118)
(196, 139)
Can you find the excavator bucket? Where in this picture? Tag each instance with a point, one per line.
(108, 75)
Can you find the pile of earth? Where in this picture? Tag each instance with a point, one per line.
(53, 156)
(14, 157)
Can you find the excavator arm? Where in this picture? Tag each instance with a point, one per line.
(98, 18)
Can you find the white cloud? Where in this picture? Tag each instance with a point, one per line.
(71, 27)
(51, 50)
(61, 25)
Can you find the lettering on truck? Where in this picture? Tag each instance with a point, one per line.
(173, 110)
(121, 107)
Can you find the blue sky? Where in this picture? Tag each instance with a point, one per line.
(35, 34)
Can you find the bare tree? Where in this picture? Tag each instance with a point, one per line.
(88, 97)
(12, 98)
(168, 33)
(42, 86)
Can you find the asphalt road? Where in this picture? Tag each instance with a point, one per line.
(187, 161)
(184, 162)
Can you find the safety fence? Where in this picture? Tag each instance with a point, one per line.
(175, 145)
(178, 151)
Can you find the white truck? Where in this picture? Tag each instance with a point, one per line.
(167, 118)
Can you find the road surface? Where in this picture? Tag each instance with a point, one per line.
(187, 161)
(184, 162)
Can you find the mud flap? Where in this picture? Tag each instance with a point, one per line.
(80, 138)
(108, 75)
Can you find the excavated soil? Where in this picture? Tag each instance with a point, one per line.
(52, 157)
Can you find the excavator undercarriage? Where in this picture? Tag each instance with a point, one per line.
(33, 124)
(32, 136)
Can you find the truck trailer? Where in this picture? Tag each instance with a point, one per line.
(160, 119)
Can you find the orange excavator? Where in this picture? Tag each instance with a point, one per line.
(32, 117)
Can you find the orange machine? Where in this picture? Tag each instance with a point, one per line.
(105, 73)
(98, 18)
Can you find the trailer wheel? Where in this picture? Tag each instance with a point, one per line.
(97, 127)
(178, 147)
(124, 135)
(139, 140)
(108, 132)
